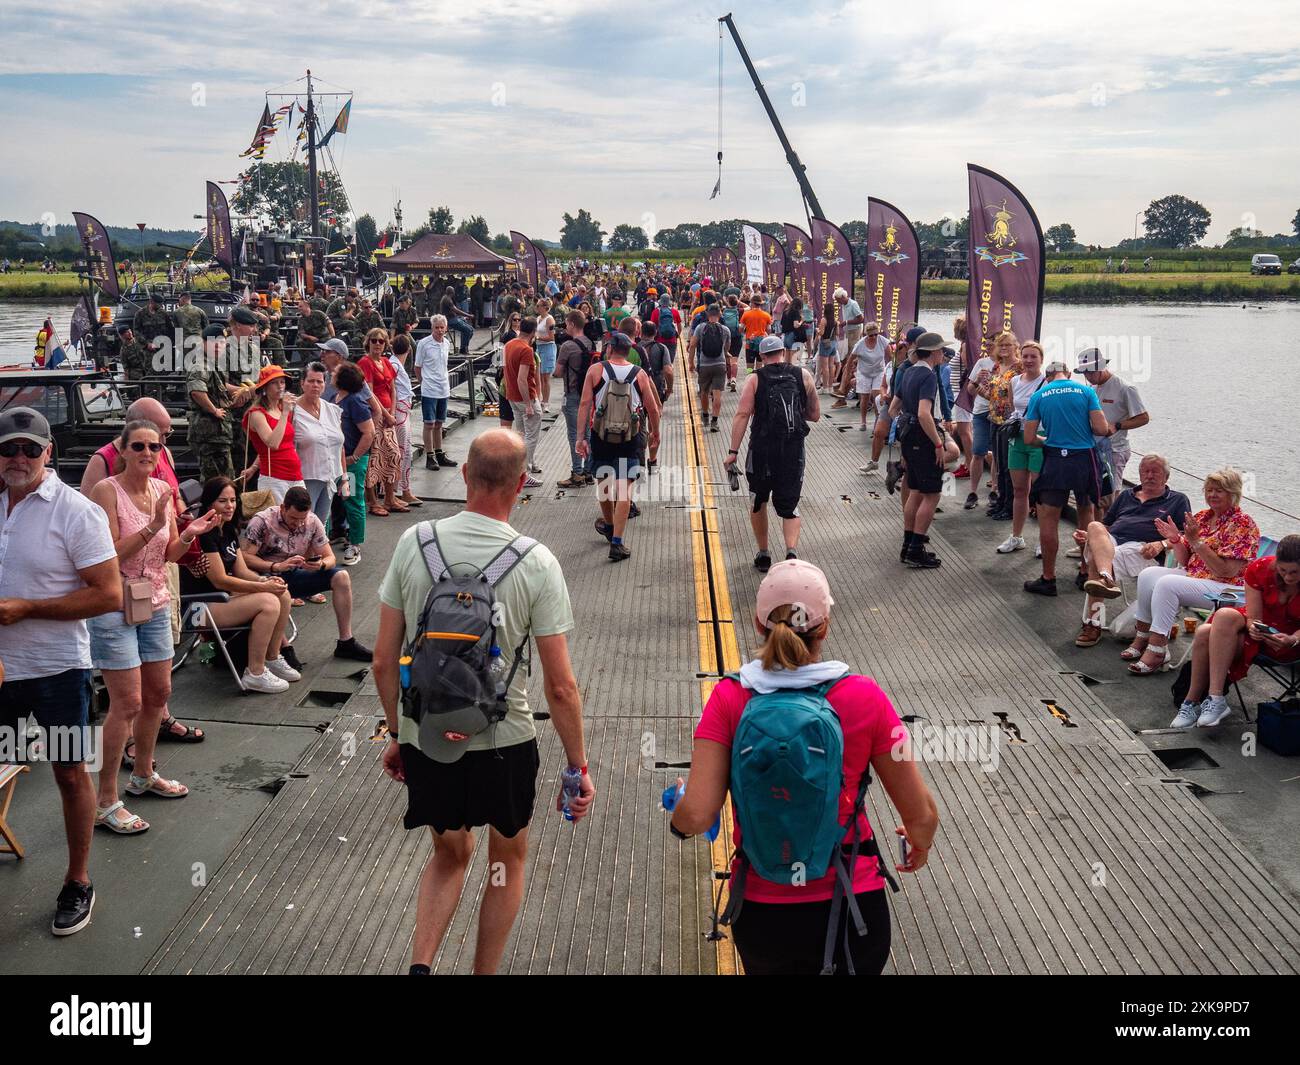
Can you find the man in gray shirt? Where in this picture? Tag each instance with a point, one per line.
(1122, 406)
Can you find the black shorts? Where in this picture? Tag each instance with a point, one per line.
(924, 474)
(305, 582)
(783, 485)
(496, 788)
(1065, 472)
(788, 938)
(621, 461)
(60, 705)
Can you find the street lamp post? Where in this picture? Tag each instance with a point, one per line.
(1135, 223)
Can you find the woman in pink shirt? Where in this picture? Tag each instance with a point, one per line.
(782, 928)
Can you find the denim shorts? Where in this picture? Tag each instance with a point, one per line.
(982, 433)
(116, 645)
(434, 410)
(546, 353)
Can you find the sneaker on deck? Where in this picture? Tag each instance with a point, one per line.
(1011, 543)
(762, 562)
(283, 670)
(1075, 552)
(266, 682)
(72, 911)
(1186, 716)
(1041, 586)
(618, 552)
(972, 501)
(870, 467)
(1213, 711)
(532, 482)
(353, 650)
(350, 555)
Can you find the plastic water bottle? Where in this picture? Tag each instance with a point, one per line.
(673, 795)
(498, 674)
(570, 788)
(404, 669)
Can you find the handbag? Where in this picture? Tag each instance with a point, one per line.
(137, 600)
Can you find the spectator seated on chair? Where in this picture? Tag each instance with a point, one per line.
(260, 603)
(1126, 541)
(288, 542)
(1212, 550)
(1233, 637)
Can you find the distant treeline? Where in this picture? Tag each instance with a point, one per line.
(32, 240)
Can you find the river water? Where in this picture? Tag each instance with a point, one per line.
(1214, 376)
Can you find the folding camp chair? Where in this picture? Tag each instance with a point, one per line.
(199, 626)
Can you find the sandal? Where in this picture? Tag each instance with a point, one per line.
(128, 825)
(296, 602)
(319, 597)
(128, 755)
(156, 785)
(1134, 651)
(378, 511)
(188, 734)
(1141, 669)
(412, 501)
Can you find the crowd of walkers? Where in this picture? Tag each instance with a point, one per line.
(804, 899)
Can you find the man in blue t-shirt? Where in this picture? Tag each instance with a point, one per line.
(1070, 415)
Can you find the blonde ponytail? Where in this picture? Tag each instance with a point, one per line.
(785, 647)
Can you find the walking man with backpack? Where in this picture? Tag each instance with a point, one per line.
(913, 408)
(707, 352)
(781, 400)
(618, 401)
(802, 832)
(657, 361)
(471, 760)
(572, 364)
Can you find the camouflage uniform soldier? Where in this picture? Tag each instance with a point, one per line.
(368, 318)
(210, 421)
(152, 323)
(313, 328)
(346, 327)
(406, 316)
(132, 354)
(189, 319)
(320, 301)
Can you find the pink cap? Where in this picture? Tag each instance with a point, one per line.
(798, 584)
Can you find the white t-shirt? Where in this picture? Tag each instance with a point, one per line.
(402, 382)
(1119, 401)
(54, 532)
(871, 360)
(319, 442)
(848, 312)
(431, 363)
(982, 404)
(1021, 390)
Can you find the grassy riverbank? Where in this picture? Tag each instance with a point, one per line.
(1064, 288)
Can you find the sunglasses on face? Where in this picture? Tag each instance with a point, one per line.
(140, 445)
(30, 448)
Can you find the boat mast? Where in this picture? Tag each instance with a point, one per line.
(312, 191)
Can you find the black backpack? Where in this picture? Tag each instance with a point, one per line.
(447, 687)
(715, 340)
(654, 357)
(779, 404)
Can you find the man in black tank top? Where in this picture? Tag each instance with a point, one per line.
(781, 399)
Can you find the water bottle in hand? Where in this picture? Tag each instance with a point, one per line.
(570, 789)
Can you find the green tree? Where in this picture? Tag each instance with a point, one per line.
(1295, 224)
(367, 235)
(686, 235)
(725, 234)
(441, 220)
(854, 230)
(476, 226)
(628, 238)
(1061, 237)
(1176, 222)
(278, 192)
(501, 242)
(581, 233)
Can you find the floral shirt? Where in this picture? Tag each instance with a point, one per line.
(1235, 536)
(1001, 395)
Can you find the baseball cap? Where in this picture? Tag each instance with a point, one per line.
(769, 344)
(444, 735)
(23, 423)
(1056, 367)
(243, 315)
(1091, 360)
(339, 347)
(928, 341)
(713, 310)
(620, 340)
(914, 334)
(795, 582)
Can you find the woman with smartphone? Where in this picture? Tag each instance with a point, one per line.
(1227, 644)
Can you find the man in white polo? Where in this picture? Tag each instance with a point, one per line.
(58, 567)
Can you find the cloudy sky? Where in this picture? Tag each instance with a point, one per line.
(523, 109)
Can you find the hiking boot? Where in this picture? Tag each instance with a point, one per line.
(762, 562)
(605, 529)
(430, 463)
(919, 558)
(444, 462)
(972, 501)
(1104, 587)
(1089, 635)
(352, 650)
(73, 909)
(618, 552)
(1011, 543)
(1041, 586)
(575, 481)
(265, 682)
(588, 478)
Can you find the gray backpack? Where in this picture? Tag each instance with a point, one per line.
(447, 687)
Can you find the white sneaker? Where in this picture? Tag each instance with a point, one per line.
(283, 670)
(1075, 552)
(1011, 543)
(266, 682)
(351, 555)
(1213, 710)
(532, 482)
(1038, 551)
(870, 467)
(1186, 718)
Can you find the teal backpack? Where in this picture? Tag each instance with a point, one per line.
(787, 772)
